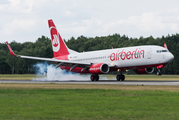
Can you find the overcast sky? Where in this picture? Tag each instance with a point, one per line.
(26, 20)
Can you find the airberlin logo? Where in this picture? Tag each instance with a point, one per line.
(138, 53)
(55, 40)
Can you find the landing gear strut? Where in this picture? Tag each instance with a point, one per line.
(94, 77)
(159, 72)
(120, 77)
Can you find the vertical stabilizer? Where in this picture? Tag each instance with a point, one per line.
(58, 45)
(165, 45)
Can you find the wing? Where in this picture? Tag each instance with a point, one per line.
(58, 62)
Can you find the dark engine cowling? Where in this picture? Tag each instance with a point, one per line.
(99, 68)
(144, 70)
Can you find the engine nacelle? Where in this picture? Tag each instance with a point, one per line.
(99, 68)
(144, 70)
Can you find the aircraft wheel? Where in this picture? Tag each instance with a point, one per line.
(159, 73)
(122, 77)
(94, 77)
(118, 77)
(97, 77)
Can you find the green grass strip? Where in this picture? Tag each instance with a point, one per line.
(87, 104)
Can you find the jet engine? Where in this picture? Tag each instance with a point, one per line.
(144, 70)
(99, 68)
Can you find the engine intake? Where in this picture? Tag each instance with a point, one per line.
(99, 68)
(144, 70)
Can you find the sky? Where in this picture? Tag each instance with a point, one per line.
(26, 20)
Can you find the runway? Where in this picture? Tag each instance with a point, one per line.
(101, 82)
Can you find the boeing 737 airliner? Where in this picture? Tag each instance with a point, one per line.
(141, 59)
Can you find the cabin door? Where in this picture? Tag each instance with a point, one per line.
(149, 53)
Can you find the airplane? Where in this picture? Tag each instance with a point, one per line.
(142, 59)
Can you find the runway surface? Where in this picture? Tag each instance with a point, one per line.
(101, 82)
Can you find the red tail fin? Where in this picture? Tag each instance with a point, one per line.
(58, 45)
(165, 45)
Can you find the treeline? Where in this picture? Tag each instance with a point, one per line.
(10, 64)
(43, 48)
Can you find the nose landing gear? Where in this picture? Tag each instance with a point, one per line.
(159, 72)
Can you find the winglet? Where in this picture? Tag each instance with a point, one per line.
(10, 50)
(165, 45)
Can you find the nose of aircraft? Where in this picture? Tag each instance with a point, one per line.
(170, 57)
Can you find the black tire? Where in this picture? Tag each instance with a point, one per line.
(97, 77)
(118, 77)
(159, 73)
(92, 77)
(122, 77)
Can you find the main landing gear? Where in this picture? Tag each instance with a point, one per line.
(94, 77)
(120, 77)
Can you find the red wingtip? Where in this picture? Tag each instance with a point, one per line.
(165, 45)
(10, 50)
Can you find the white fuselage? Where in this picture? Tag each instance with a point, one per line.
(127, 57)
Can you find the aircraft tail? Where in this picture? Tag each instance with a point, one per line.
(58, 45)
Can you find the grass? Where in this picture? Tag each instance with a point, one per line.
(80, 104)
(86, 102)
(19, 76)
(110, 77)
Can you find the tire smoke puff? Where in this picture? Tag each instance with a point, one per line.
(50, 73)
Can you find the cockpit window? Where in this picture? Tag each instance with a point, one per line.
(164, 50)
(159, 51)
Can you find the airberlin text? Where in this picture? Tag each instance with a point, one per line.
(138, 53)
